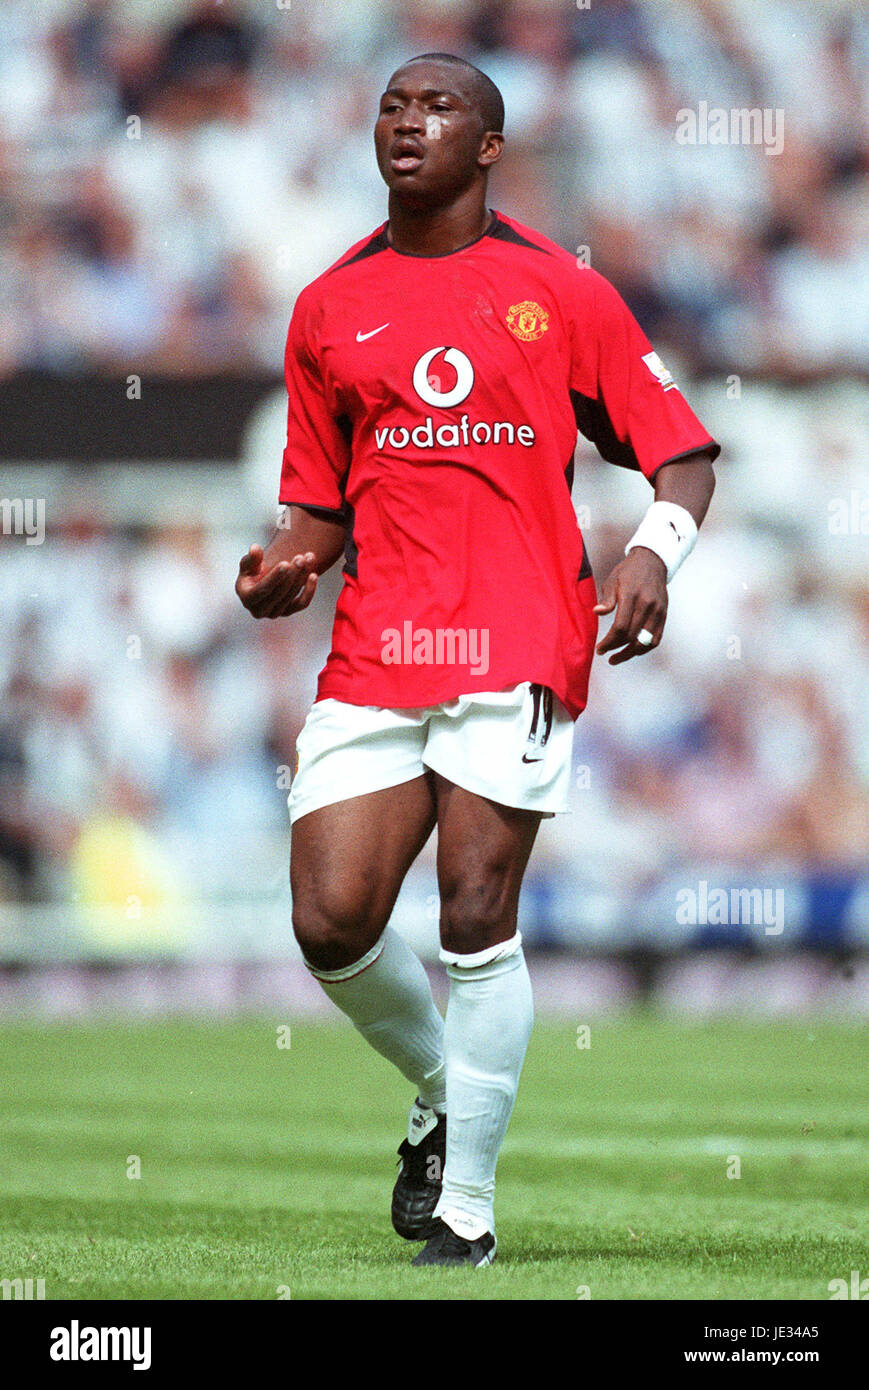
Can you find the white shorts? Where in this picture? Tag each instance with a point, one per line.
(513, 746)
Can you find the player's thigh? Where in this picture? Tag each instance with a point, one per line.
(347, 863)
(483, 851)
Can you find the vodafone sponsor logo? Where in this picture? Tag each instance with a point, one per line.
(427, 387)
(427, 383)
(453, 436)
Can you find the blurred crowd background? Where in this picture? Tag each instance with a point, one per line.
(171, 175)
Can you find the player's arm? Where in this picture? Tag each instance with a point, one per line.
(636, 590)
(282, 579)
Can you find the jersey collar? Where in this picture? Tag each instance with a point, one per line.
(387, 245)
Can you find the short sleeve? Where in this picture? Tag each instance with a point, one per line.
(317, 453)
(624, 398)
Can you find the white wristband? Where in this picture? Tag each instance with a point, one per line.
(670, 531)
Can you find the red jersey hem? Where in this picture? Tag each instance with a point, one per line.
(329, 688)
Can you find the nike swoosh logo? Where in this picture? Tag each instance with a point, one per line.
(361, 337)
(526, 759)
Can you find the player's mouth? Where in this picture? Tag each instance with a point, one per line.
(406, 156)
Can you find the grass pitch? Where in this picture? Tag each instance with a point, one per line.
(266, 1171)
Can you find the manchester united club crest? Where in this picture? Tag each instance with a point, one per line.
(528, 320)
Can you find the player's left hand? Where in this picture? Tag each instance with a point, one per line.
(636, 590)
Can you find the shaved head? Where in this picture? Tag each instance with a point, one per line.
(482, 90)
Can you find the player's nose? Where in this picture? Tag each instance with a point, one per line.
(410, 119)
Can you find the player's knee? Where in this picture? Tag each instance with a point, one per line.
(333, 933)
(474, 917)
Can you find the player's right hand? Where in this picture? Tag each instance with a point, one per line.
(276, 591)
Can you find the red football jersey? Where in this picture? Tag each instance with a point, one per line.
(433, 406)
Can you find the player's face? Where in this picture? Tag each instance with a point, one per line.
(429, 135)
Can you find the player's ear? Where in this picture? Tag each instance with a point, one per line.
(491, 148)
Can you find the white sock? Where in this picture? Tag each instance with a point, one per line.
(487, 1030)
(387, 996)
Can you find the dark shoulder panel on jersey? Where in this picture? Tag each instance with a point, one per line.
(370, 246)
(502, 231)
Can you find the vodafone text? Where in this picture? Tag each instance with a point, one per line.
(454, 436)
